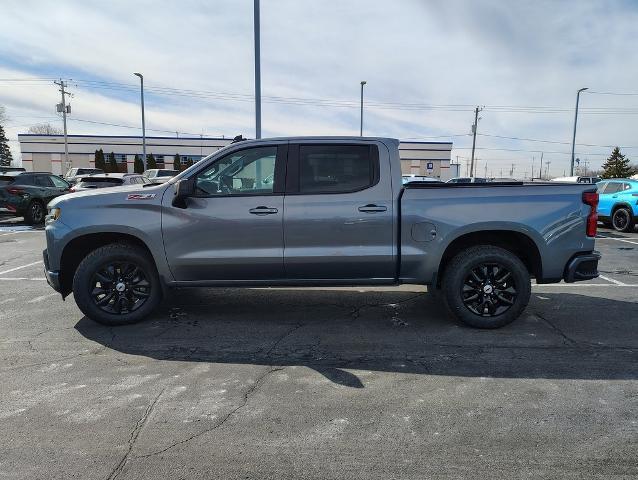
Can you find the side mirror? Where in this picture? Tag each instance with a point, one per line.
(183, 189)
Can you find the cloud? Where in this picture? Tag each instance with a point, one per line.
(427, 52)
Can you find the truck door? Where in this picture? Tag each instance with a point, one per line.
(338, 213)
(232, 228)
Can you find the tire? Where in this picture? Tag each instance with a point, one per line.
(117, 284)
(622, 220)
(35, 213)
(498, 278)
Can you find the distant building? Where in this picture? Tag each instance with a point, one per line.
(46, 152)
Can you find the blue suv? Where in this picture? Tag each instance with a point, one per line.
(618, 204)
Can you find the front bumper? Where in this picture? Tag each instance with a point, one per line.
(581, 267)
(53, 277)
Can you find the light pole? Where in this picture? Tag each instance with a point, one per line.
(257, 74)
(143, 122)
(571, 168)
(361, 125)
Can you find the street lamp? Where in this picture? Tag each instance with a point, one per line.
(571, 168)
(361, 126)
(143, 123)
(257, 71)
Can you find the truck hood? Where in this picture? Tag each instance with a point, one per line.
(105, 196)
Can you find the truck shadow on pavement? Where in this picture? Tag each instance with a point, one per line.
(337, 332)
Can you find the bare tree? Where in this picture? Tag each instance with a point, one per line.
(3, 115)
(45, 129)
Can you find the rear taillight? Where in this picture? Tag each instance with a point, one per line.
(72, 189)
(14, 190)
(591, 199)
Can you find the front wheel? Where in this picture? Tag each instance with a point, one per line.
(117, 284)
(622, 220)
(486, 286)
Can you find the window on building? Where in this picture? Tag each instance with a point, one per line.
(120, 157)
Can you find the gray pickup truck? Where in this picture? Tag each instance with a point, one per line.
(318, 211)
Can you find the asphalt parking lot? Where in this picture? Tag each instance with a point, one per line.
(321, 383)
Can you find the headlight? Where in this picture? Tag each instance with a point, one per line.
(54, 214)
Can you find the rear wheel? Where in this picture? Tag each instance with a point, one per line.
(35, 213)
(622, 220)
(486, 286)
(117, 284)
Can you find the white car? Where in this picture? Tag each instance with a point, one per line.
(159, 175)
(108, 180)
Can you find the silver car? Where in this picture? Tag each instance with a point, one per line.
(108, 180)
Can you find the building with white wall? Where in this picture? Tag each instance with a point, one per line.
(45, 153)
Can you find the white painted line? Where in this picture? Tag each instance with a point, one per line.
(42, 297)
(22, 278)
(615, 282)
(19, 231)
(21, 267)
(617, 239)
(579, 285)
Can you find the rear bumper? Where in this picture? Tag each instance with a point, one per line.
(581, 267)
(53, 277)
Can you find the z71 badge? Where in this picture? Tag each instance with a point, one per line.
(140, 196)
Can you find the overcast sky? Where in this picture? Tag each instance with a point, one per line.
(427, 63)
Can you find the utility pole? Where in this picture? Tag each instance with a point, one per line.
(64, 108)
(540, 170)
(485, 170)
(363, 82)
(257, 74)
(137, 74)
(571, 168)
(547, 169)
(533, 168)
(474, 128)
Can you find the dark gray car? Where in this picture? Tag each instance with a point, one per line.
(315, 211)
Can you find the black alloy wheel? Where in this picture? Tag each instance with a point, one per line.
(489, 290)
(120, 287)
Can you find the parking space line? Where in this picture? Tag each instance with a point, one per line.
(616, 282)
(580, 285)
(21, 278)
(617, 239)
(21, 267)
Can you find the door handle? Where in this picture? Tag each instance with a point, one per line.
(261, 210)
(371, 208)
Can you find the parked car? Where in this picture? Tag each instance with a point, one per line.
(26, 194)
(577, 179)
(502, 180)
(467, 180)
(618, 207)
(418, 178)
(75, 173)
(108, 180)
(4, 170)
(159, 175)
(339, 207)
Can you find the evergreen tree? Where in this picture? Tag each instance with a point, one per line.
(99, 160)
(138, 166)
(150, 161)
(617, 166)
(5, 153)
(177, 162)
(113, 168)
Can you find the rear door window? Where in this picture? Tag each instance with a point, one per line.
(336, 168)
(58, 182)
(613, 187)
(43, 181)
